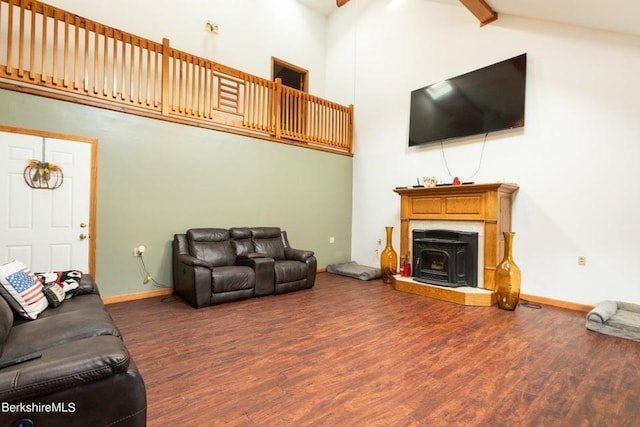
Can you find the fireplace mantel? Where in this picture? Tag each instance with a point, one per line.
(489, 204)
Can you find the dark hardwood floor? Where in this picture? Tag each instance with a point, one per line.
(353, 353)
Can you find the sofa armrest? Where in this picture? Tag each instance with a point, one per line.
(265, 273)
(312, 264)
(192, 279)
(193, 261)
(297, 254)
(87, 285)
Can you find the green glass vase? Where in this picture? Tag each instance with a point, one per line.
(508, 276)
(388, 259)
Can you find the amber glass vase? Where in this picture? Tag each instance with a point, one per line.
(388, 259)
(508, 276)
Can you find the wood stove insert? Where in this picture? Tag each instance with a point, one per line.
(445, 257)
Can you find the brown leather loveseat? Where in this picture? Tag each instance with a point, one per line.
(216, 265)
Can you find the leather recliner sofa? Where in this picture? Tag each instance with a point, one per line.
(216, 265)
(68, 367)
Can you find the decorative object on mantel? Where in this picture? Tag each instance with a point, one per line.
(508, 276)
(429, 181)
(388, 259)
(43, 175)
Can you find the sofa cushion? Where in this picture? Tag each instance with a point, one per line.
(78, 318)
(268, 241)
(241, 240)
(240, 233)
(290, 271)
(83, 305)
(232, 278)
(207, 235)
(64, 366)
(22, 290)
(211, 245)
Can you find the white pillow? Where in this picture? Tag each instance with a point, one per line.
(22, 290)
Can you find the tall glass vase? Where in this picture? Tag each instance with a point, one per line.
(388, 259)
(508, 276)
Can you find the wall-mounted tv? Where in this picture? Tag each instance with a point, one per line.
(481, 101)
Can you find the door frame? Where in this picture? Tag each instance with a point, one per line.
(298, 123)
(284, 64)
(93, 199)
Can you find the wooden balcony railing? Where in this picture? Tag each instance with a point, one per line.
(53, 53)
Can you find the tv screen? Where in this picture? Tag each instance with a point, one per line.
(478, 102)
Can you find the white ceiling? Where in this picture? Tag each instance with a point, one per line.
(622, 16)
(325, 7)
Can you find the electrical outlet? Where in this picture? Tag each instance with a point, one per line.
(332, 239)
(139, 250)
(582, 260)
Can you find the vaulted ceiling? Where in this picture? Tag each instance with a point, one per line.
(620, 16)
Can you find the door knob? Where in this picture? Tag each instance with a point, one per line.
(82, 236)
(83, 225)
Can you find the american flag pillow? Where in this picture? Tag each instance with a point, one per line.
(22, 290)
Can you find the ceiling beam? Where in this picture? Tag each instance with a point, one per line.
(481, 10)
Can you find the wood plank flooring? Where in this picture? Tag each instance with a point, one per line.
(354, 353)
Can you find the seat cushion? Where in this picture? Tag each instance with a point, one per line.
(290, 271)
(65, 366)
(232, 278)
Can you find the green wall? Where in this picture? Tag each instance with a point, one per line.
(157, 178)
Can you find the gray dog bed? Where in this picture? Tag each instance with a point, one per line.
(355, 270)
(620, 319)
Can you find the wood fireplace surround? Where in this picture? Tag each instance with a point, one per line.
(488, 204)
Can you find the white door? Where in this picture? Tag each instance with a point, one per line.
(48, 230)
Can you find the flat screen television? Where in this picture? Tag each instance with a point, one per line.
(485, 100)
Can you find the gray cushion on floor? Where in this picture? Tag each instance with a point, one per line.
(616, 318)
(355, 270)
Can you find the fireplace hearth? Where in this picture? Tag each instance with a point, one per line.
(445, 257)
(481, 208)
